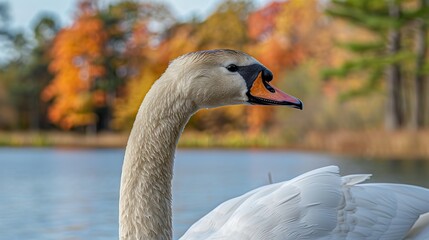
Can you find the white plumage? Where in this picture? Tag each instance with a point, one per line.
(316, 205)
(319, 204)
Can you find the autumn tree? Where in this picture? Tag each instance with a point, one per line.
(283, 35)
(90, 77)
(77, 56)
(146, 56)
(130, 37)
(226, 26)
(269, 49)
(179, 39)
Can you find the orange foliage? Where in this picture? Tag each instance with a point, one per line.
(284, 32)
(181, 41)
(284, 36)
(280, 35)
(75, 54)
(267, 47)
(262, 22)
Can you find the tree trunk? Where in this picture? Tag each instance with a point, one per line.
(394, 115)
(419, 109)
(34, 112)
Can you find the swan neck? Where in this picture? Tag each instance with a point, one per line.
(145, 198)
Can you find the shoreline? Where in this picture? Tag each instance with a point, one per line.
(407, 145)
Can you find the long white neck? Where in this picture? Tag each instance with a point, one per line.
(145, 198)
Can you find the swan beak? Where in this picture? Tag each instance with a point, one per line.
(262, 93)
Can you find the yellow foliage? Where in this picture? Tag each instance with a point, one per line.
(126, 107)
(226, 27)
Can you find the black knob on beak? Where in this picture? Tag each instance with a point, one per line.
(267, 75)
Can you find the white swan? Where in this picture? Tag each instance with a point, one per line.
(317, 205)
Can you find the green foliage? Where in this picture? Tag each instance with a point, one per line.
(363, 47)
(45, 30)
(121, 20)
(372, 56)
(393, 50)
(370, 14)
(367, 63)
(26, 75)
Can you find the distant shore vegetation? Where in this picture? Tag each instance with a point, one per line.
(359, 66)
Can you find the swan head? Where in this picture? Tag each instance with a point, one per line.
(214, 78)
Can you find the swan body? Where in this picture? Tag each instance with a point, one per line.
(319, 204)
(316, 205)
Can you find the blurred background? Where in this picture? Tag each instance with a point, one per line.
(74, 69)
(73, 74)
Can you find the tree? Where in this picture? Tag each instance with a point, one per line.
(128, 45)
(90, 77)
(38, 75)
(381, 53)
(226, 27)
(283, 35)
(178, 40)
(420, 78)
(9, 69)
(26, 74)
(270, 49)
(394, 109)
(76, 67)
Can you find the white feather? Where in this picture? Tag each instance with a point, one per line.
(420, 230)
(317, 205)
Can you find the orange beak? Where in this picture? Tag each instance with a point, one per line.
(264, 94)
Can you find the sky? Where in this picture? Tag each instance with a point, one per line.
(25, 12)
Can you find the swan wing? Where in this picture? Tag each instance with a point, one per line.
(276, 206)
(420, 229)
(317, 205)
(380, 211)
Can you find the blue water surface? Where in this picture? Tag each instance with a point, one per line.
(73, 194)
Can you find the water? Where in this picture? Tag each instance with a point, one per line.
(73, 194)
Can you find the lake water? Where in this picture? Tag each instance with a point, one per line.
(73, 194)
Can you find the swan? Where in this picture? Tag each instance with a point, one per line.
(319, 204)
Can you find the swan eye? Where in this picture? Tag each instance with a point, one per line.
(232, 68)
